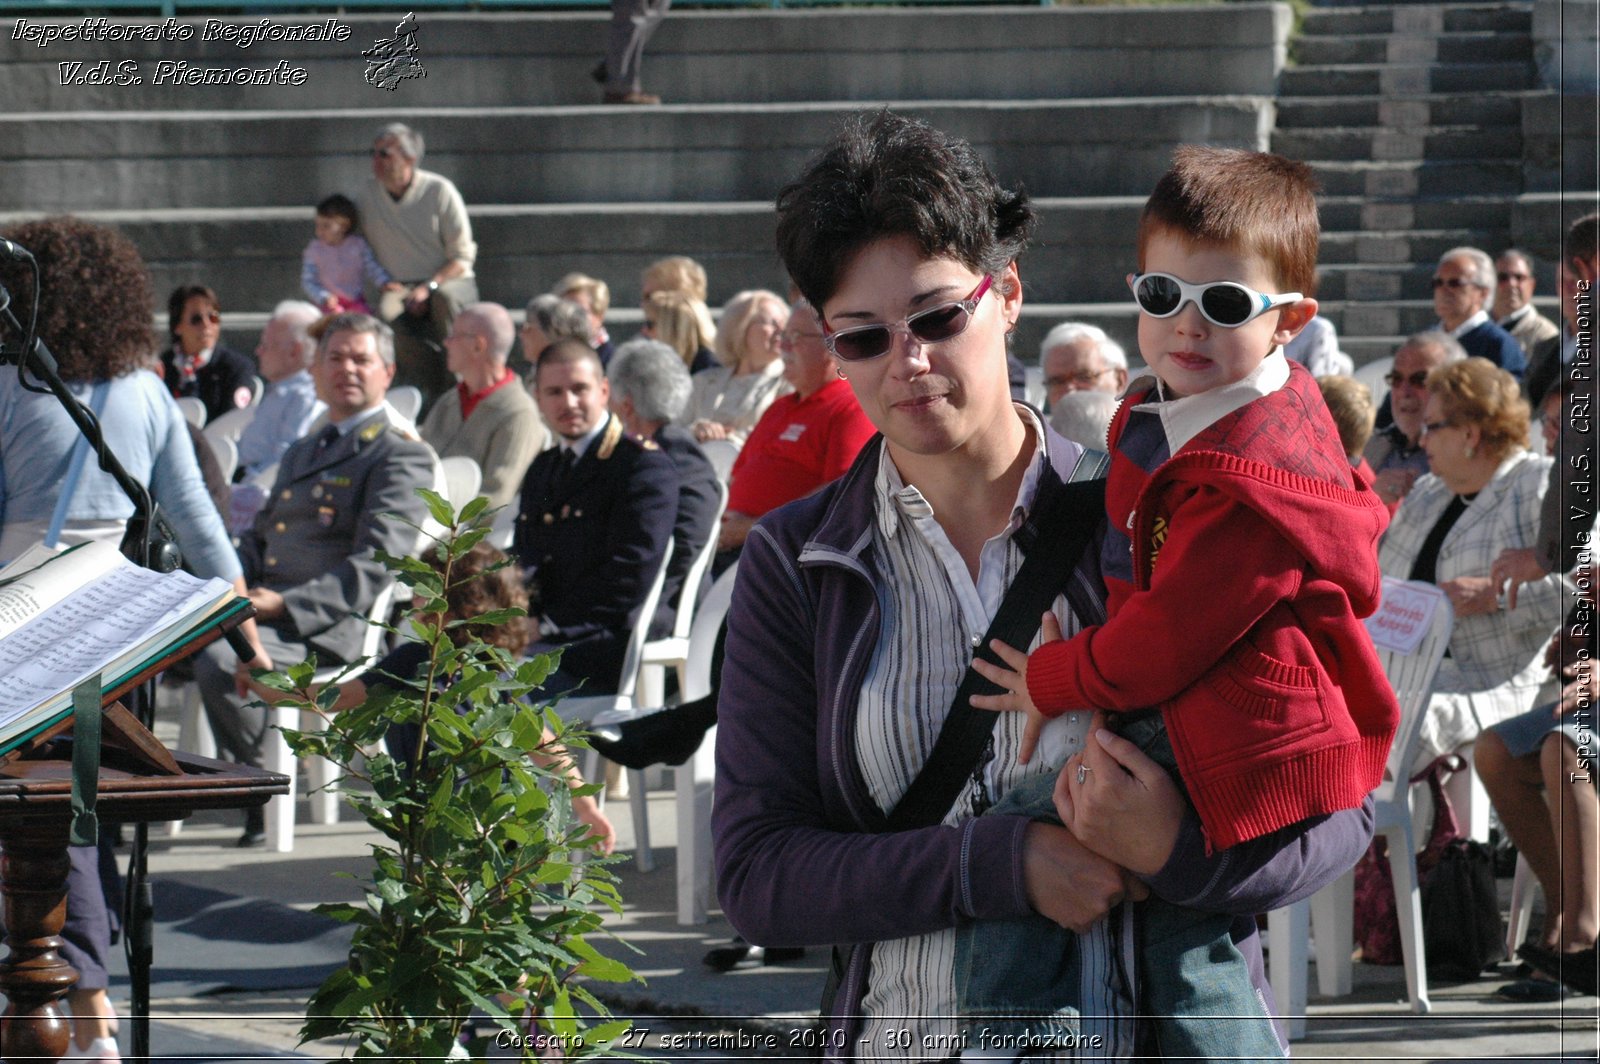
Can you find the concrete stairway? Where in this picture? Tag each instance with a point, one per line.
(1412, 116)
(215, 183)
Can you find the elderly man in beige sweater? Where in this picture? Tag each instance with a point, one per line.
(488, 416)
(417, 225)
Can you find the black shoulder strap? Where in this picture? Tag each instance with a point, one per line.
(1067, 521)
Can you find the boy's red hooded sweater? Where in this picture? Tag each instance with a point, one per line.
(1254, 553)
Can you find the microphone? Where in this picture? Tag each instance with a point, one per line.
(241, 646)
(13, 252)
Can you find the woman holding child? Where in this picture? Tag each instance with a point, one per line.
(856, 614)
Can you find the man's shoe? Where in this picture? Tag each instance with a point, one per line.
(255, 829)
(634, 97)
(599, 72)
(669, 737)
(742, 954)
(1531, 991)
(1576, 969)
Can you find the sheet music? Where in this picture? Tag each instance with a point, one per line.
(112, 618)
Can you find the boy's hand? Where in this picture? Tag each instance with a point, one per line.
(1126, 809)
(1015, 681)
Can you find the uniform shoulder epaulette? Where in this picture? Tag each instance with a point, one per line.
(609, 438)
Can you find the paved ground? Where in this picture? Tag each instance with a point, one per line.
(749, 1011)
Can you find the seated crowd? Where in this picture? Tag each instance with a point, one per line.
(605, 456)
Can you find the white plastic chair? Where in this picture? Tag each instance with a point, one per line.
(584, 708)
(321, 781)
(721, 454)
(194, 411)
(226, 452)
(695, 780)
(406, 399)
(672, 651)
(1523, 884)
(195, 735)
(462, 479)
(230, 425)
(504, 528)
(1330, 912)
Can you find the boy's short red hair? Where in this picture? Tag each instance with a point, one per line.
(1260, 203)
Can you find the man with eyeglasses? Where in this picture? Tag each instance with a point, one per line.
(1395, 450)
(1463, 284)
(417, 225)
(1513, 308)
(1078, 357)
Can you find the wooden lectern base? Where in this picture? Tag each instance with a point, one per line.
(139, 781)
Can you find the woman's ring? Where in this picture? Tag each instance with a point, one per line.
(1083, 773)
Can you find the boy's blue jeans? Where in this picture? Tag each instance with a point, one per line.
(1020, 978)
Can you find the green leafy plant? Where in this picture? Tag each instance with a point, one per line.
(485, 891)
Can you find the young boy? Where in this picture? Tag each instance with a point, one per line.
(1240, 552)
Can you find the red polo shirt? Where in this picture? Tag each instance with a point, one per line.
(797, 446)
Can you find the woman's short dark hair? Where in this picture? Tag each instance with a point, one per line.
(180, 298)
(887, 175)
(94, 296)
(481, 580)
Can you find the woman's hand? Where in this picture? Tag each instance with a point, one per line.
(1119, 803)
(1014, 680)
(1067, 884)
(1471, 596)
(709, 430)
(588, 811)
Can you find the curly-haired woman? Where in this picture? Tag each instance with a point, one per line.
(94, 316)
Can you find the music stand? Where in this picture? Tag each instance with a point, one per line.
(140, 781)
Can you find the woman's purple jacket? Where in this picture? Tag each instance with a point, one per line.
(801, 856)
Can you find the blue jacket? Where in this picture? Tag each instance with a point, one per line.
(801, 857)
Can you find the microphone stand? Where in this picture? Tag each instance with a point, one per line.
(151, 543)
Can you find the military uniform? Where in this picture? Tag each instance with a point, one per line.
(315, 542)
(590, 541)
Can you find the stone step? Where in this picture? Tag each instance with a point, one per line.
(1083, 248)
(1479, 46)
(1365, 349)
(1435, 144)
(793, 55)
(1403, 246)
(1328, 21)
(251, 257)
(1320, 112)
(1396, 180)
(1352, 213)
(707, 153)
(1414, 79)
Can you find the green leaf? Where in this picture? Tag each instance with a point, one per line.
(438, 507)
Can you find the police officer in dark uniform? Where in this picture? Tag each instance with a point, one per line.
(310, 559)
(595, 518)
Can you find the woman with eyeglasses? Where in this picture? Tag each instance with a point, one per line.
(730, 398)
(856, 613)
(1481, 496)
(198, 363)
